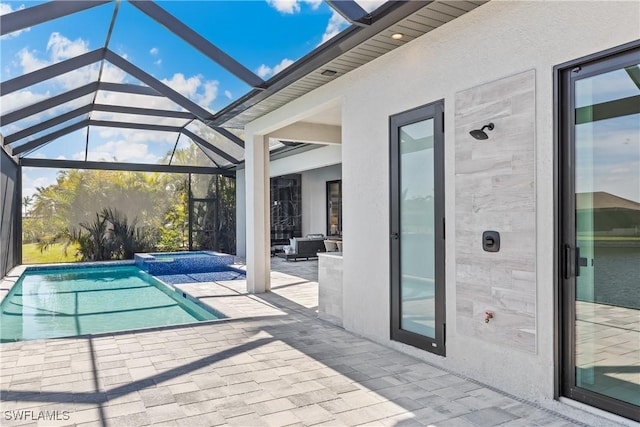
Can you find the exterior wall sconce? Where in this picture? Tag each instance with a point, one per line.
(480, 134)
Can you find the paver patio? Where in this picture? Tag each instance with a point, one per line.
(273, 363)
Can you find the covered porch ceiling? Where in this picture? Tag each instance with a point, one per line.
(80, 95)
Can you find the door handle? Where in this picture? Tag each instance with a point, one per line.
(569, 262)
(573, 261)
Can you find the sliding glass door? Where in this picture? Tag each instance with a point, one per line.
(600, 223)
(417, 221)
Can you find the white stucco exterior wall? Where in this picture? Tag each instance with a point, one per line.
(314, 198)
(241, 215)
(496, 40)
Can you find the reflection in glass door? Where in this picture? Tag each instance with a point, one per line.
(417, 252)
(334, 208)
(601, 234)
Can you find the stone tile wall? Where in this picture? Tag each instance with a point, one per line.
(495, 190)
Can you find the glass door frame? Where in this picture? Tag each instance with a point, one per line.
(433, 111)
(565, 76)
(329, 206)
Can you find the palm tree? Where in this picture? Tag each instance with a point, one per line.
(26, 202)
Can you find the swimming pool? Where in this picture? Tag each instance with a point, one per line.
(70, 301)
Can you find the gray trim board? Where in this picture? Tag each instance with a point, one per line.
(165, 90)
(51, 71)
(9, 139)
(48, 138)
(177, 27)
(143, 111)
(139, 126)
(24, 18)
(129, 88)
(199, 140)
(10, 217)
(227, 134)
(140, 167)
(351, 11)
(48, 103)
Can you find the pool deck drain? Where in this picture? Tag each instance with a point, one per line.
(273, 364)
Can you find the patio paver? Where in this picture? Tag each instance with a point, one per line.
(273, 364)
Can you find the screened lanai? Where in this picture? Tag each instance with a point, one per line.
(131, 85)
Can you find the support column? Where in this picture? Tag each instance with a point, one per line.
(257, 214)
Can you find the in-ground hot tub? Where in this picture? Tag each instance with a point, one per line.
(182, 262)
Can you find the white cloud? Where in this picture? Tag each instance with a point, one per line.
(59, 49)
(6, 9)
(116, 98)
(62, 48)
(158, 62)
(315, 3)
(264, 71)
(209, 95)
(30, 184)
(154, 51)
(186, 86)
(135, 136)
(113, 74)
(292, 6)
(29, 62)
(282, 65)
(228, 94)
(336, 24)
(16, 100)
(285, 6)
(121, 150)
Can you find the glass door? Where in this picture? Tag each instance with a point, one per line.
(417, 228)
(334, 208)
(601, 234)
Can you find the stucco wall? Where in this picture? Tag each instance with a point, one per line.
(314, 198)
(10, 205)
(493, 42)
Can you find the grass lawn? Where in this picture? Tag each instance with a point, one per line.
(32, 255)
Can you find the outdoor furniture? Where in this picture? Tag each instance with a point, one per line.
(331, 245)
(307, 247)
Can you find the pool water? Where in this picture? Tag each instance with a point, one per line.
(75, 301)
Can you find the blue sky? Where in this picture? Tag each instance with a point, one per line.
(263, 35)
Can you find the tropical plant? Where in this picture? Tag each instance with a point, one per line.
(109, 236)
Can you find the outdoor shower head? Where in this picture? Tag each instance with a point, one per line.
(480, 134)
